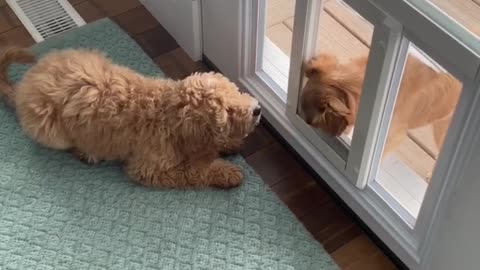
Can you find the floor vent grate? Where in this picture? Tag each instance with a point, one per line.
(46, 18)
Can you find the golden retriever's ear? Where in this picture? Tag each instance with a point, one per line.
(320, 65)
(337, 106)
(340, 113)
(335, 116)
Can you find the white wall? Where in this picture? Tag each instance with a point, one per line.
(182, 19)
(220, 43)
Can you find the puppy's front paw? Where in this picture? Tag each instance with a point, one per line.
(231, 149)
(84, 158)
(227, 175)
(229, 152)
(234, 177)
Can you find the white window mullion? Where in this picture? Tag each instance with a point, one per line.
(382, 79)
(304, 41)
(305, 45)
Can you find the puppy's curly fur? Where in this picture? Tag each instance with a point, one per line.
(169, 133)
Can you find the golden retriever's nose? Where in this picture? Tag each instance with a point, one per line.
(257, 111)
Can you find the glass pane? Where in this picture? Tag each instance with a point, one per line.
(425, 104)
(278, 41)
(334, 78)
(465, 12)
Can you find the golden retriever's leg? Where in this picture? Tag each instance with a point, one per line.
(219, 173)
(396, 135)
(440, 128)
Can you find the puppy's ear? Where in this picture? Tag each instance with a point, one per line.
(320, 65)
(195, 138)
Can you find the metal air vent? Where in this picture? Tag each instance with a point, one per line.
(46, 18)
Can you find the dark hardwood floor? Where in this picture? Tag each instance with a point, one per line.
(332, 225)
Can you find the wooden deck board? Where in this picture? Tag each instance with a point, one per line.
(289, 23)
(424, 138)
(466, 12)
(281, 35)
(416, 158)
(353, 22)
(336, 39)
(278, 11)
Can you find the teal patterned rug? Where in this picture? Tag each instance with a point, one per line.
(57, 213)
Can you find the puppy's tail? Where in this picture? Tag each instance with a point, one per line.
(8, 56)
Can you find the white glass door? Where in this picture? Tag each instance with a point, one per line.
(404, 78)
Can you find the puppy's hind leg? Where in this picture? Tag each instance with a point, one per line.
(219, 173)
(44, 126)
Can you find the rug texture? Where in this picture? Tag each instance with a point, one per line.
(57, 213)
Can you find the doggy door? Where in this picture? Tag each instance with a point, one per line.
(335, 50)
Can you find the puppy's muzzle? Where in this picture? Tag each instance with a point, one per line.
(257, 111)
(257, 114)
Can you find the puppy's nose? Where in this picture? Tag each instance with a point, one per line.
(257, 111)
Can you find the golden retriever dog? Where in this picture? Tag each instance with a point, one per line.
(168, 133)
(331, 97)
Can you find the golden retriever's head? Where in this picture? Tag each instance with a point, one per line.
(330, 96)
(216, 115)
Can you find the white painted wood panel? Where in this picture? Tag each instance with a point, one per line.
(182, 19)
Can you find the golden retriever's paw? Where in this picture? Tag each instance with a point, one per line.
(84, 158)
(227, 176)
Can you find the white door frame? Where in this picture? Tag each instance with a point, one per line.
(236, 56)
